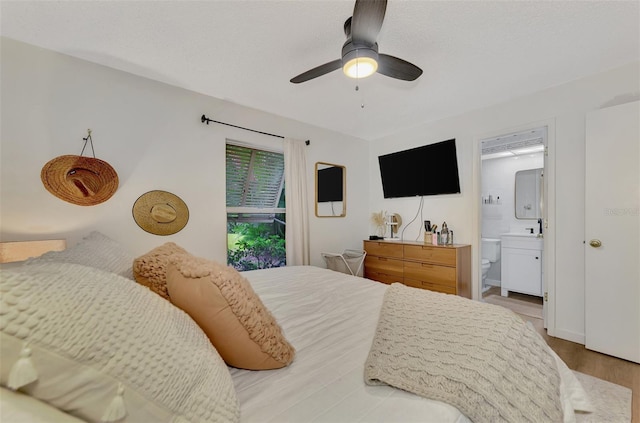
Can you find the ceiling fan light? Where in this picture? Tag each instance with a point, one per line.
(360, 67)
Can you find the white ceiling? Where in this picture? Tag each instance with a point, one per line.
(473, 53)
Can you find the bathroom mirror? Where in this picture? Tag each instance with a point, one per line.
(528, 195)
(331, 190)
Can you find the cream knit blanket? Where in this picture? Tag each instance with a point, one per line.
(482, 359)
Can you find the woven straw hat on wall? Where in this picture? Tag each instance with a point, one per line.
(160, 213)
(85, 181)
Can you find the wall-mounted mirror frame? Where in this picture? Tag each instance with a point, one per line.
(331, 190)
(528, 194)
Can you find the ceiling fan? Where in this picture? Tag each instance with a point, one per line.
(360, 57)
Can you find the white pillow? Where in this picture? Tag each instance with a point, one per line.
(95, 250)
(102, 347)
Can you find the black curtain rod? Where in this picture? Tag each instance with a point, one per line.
(206, 120)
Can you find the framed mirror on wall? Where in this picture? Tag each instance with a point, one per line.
(528, 195)
(331, 190)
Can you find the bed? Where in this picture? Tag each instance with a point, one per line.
(330, 318)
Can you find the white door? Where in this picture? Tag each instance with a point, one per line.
(612, 231)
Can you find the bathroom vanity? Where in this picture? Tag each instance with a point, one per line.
(521, 264)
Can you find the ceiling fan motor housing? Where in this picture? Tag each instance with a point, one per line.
(352, 51)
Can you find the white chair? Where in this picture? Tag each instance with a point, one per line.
(350, 262)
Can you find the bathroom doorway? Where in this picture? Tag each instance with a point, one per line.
(512, 220)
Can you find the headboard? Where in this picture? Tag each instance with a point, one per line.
(21, 250)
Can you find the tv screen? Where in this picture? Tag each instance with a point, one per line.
(330, 184)
(428, 170)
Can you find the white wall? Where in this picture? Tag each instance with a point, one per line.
(152, 135)
(563, 109)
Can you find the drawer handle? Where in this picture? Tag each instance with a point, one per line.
(382, 258)
(430, 266)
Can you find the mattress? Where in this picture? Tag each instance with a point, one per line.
(330, 318)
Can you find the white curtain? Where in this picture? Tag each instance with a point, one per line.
(297, 228)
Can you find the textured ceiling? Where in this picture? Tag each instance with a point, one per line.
(473, 53)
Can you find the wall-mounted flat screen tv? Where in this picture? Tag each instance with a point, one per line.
(428, 170)
(330, 184)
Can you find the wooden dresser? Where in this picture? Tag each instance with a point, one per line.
(442, 268)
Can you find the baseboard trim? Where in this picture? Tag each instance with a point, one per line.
(578, 338)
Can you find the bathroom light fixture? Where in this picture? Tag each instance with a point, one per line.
(360, 63)
(512, 152)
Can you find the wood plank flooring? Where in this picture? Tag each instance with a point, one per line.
(602, 366)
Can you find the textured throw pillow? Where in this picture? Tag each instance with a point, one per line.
(150, 269)
(225, 306)
(95, 250)
(102, 348)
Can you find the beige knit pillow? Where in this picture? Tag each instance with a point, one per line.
(150, 269)
(227, 309)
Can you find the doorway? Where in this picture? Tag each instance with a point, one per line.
(513, 206)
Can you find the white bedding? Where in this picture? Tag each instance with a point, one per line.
(330, 318)
(16, 407)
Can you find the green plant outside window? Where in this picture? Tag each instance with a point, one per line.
(255, 208)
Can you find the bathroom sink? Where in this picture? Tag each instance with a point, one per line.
(525, 235)
(522, 240)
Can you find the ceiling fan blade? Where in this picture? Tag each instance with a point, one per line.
(317, 71)
(397, 68)
(367, 21)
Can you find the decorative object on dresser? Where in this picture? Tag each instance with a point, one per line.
(377, 219)
(442, 268)
(394, 222)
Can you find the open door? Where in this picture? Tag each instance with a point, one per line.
(612, 231)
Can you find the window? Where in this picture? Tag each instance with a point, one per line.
(255, 208)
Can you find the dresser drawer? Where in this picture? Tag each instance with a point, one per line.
(438, 255)
(427, 272)
(447, 289)
(383, 249)
(387, 266)
(382, 277)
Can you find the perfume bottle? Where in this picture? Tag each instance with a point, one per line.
(444, 234)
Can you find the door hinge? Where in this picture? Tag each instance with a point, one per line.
(546, 151)
(546, 296)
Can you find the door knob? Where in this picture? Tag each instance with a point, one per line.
(595, 243)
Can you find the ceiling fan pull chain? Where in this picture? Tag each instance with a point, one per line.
(361, 97)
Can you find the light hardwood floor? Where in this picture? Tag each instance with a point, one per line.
(602, 366)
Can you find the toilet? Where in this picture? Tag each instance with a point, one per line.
(490, 254)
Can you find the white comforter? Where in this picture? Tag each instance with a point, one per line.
(330, 318)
